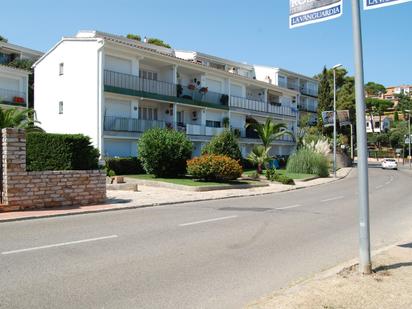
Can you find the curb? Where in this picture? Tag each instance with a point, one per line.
(166, 203)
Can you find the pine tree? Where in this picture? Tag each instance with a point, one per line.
(325, 100)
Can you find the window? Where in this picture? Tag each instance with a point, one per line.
(61, 107)
(61, 68)
(148, 74)
(213, 124)
(147, 113)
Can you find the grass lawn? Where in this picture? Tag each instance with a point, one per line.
(187, 181)
(296, 176)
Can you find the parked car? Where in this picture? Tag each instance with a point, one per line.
(389, 164)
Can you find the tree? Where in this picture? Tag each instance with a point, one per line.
(374, 89)
(224, 144)
(135, 37)
(259, 156)
(3, 39)
(158, 42)
(378, 107)
(404, 102)
(324, 98)
(19, 118)
(269, 131)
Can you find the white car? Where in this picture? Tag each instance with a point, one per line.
(389, 164)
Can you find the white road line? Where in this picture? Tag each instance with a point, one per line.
(380, 187)
(59, 244)
(332, 199)
(209, 220)
(289, 207)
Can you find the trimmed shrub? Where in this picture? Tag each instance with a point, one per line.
(274, 175)
(224, 144)
(164, 152)
(214, 167)
(125, 166)
(308, 162)
(56, 152)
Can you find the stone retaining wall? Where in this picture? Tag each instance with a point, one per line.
(28, 190)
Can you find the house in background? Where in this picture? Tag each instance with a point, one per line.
(373, 124)
(14, 83)
(307, 88)
(113, 89)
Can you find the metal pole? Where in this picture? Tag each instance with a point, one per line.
(365, 265)
(409, 125)
(351, 143)
(334, 123)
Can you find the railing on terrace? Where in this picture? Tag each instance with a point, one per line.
(113, 123)
(184, 93)
(260, 106)
(307, 91)
(308, 108)
(10, 96)
(124, 124)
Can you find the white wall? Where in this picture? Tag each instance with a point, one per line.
(77, 88)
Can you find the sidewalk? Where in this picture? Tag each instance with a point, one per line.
(389, 287)
(154, 196)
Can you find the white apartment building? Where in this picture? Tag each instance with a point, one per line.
(113, 89)
(306, 86)
(14, 82)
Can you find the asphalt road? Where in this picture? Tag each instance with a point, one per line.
(217, 254)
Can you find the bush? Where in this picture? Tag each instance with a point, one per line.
(125, 166)
(214, 167)
(224, 144)
(54, 152)
(274, 175)
(164, 152)
(308, 162)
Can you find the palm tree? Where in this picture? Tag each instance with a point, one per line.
(19, 118)
(259, 156)
(269, 131)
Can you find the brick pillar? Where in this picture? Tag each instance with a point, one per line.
(14, 165)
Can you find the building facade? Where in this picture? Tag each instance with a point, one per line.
(307, 88)
(113, 89)
(14, 83)
(374, 124)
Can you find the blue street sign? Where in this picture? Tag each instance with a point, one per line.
(304, 12)
(375, 4)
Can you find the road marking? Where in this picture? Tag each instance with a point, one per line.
(289, 207)
(332, 199)
(59, 244)
(209, 220)
(380, 187)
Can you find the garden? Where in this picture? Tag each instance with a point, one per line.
(165, 155)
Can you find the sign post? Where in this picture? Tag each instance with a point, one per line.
(365, 265)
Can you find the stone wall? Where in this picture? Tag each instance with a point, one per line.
(28, 190)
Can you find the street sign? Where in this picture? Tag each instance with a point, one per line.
(376, 4)
(343, 117)
(407, 139)
(327, 118)
(305, 12)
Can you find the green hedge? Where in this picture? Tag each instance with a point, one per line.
(125, 166)
(214, 167)
(56, 152)
(273, 175)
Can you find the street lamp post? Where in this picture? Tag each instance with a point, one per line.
(409, 137)
(334, 117)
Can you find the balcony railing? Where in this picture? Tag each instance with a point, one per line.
(260, 106)
(308, 91)
(14, 97)
(174, 92)
(123, 124)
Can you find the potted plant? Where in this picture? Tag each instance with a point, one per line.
(179, 90)
(191, 87)
(204, 90)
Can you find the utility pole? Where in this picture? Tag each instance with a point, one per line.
(334, 118)
(365, 265)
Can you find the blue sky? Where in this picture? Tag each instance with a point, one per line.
(248, 31)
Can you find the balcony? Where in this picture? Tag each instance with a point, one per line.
(122, 124)
(11, 97)
(136, 86)
(260, 106)
(309, 92)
